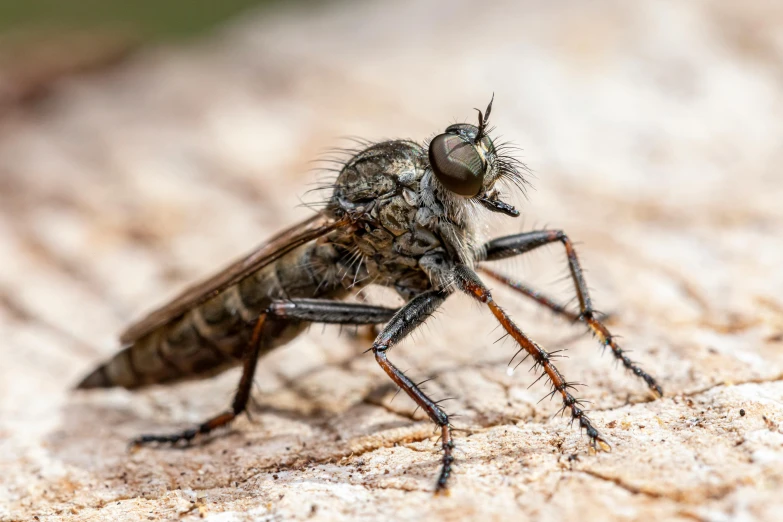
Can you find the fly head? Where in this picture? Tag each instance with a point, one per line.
(466, 163)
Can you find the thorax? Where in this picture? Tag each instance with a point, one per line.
(402, 237)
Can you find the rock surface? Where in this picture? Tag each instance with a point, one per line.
(654, 130)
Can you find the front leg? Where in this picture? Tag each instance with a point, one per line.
(518, 244)
(466, 280)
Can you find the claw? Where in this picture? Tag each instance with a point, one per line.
(442, 491)
(603, 445)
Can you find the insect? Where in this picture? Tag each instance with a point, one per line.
(409, 214)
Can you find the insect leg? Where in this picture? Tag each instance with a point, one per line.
(312, 310)
(330, 312)
(467, 281)
(411, 315)
(533, 294)
(240, 398)
(518, 244)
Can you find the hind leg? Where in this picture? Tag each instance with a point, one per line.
(311, 310)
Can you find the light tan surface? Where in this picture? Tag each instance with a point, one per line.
(655, 134)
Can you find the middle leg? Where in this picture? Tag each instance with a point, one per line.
(413, 314)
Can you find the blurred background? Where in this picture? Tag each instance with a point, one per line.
(145, 144)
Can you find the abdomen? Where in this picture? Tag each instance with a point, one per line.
(214, 336)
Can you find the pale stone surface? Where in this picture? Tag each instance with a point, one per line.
(654, 130)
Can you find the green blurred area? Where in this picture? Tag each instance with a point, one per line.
(145, 19)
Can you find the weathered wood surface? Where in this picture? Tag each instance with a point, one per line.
(654, 130)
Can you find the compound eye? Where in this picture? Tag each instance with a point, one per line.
(457, 164)
(487, 142)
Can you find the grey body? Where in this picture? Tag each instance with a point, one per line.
(404, 233)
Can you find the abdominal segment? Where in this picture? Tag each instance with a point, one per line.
(213, 336)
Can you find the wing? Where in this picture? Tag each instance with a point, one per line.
(264, 254)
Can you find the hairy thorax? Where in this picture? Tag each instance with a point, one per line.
(403, 237)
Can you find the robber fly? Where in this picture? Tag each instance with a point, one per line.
(410, 213)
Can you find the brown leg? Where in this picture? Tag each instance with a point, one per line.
(311, 310)
(414, 313)
(238, 406)
(468, 282)
(533, 294)
(518, 244)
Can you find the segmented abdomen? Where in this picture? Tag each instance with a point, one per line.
(213, 336)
